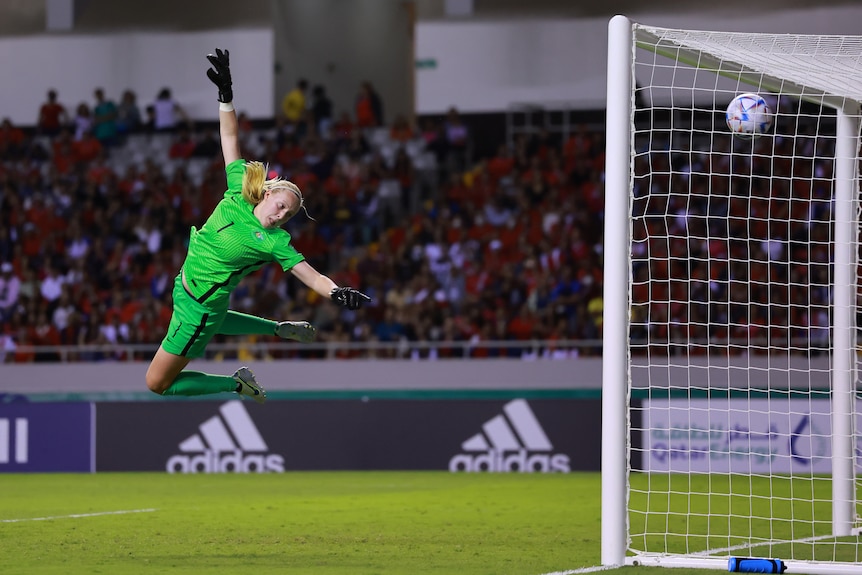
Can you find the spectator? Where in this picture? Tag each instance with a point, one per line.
(502, 164)
(10, 288)
(434, 139)
(77, 243)
(522, 326)
(44, 334)
(149, 124)
(367, 107)
(497, 212)
(321, 111)
(97, 170)
(52, 285)
(7, 348)
(104, 119)
(87, 148)
(403, 172)
(457, 141)
(245, 125)
(64, 160)
(113, 331)
(357, 148)
(376, 103)
(7, 237)
(12, 140)
(167, 113)
(342, 129)
(149, 235)
(401, 130)
(160, 280)
(391, 328)
(52, 116)
(183, 146)
(293, 105)
(207, 146)
(29, 285)
(83, 121)
(64, 310)
(128, 114)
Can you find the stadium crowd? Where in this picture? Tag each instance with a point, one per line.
(733, 243)
(96, 207)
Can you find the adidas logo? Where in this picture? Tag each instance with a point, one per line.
(19, 446)
(513, 441)
(228, 442)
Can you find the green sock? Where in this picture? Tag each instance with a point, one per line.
(198, 383)
(238, 323)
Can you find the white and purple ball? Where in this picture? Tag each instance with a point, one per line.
(748, 115)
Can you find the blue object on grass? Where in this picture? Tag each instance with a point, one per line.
(755, 565)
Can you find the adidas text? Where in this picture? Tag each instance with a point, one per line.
(519, 460)
(227, 442)
(511, 441)
(226, 462)
(18, 446)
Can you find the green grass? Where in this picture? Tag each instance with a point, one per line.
(321, 523)
(338, 523)
(698, 512)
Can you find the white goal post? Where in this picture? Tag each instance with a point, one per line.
(730, 302)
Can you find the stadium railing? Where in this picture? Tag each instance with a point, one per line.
(525, 349)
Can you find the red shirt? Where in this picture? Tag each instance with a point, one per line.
(303, 178)
(500, 166)
(11, 136)
(49, 115)
(521, 327)
(365, 113)
(87, 149)
(182, 149)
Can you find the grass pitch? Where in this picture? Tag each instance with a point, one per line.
(336, 523)
(322, 523)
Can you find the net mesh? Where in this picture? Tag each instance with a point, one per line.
(732, 288)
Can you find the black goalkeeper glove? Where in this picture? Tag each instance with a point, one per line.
(220, 74)
(349, 297)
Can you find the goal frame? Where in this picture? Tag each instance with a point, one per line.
(623, 36)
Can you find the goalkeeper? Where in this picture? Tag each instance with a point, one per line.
(242, 234)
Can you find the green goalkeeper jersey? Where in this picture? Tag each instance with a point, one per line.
(232, 244)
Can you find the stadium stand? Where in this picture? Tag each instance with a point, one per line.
(502, 248)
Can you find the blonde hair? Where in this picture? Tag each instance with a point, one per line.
(255, 184)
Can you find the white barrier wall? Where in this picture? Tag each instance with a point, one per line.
(143, 62)
(741, 372)
(488, 66)
(317, 375)
(476, 66)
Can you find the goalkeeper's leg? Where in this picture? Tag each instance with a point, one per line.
(238, 323)
(190, 329)
(166, 376)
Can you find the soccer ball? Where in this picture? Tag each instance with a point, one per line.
(748, 115)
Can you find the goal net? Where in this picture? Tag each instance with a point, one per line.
(731, 287)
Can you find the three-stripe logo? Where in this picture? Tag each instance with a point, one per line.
(14, 448)
(227, 442)
(511, 441)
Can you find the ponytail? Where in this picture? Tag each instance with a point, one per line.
(253, 182)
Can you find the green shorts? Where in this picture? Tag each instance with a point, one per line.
(192, 324)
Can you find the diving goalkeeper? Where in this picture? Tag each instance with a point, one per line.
(241, 235)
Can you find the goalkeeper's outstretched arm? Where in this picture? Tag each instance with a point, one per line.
(344, 296)
(219, 74)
